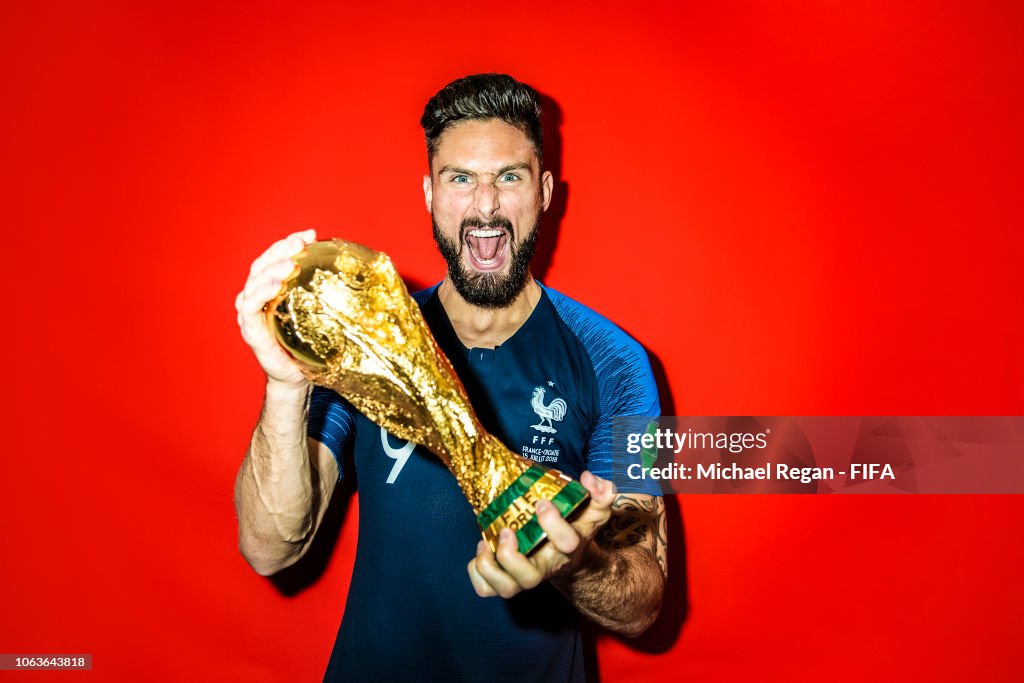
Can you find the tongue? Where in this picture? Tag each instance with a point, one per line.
(485, 248)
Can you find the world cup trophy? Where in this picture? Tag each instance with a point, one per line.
(346, 317)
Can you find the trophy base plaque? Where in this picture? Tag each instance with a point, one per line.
(514, 507)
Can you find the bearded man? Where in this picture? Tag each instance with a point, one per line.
(545, 375)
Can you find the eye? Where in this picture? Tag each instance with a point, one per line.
(460, 179)
(509, 177)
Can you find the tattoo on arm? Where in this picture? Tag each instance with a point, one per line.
(622, 584)
(638, 521)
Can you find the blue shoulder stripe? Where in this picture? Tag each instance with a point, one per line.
(624, 378)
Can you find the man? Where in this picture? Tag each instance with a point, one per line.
(545, 375)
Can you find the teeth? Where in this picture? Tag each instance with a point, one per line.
(486, 261)
(485, 233)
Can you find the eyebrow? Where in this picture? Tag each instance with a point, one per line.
(455, 169)
(521, 166)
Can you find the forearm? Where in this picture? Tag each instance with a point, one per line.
(275, 493)
(610, 561)
(618, 588)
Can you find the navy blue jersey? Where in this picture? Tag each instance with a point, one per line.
(549, 393)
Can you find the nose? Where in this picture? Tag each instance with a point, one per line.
(486, 200)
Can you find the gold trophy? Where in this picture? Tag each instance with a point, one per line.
(346, 316)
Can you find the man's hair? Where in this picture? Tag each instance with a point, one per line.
(482, 97)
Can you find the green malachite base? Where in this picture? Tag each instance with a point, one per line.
(514, 507)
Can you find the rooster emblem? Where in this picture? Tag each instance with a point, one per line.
(553, 411)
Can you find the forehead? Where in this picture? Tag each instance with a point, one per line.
(482, 144)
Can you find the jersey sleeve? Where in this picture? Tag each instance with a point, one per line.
(625, 382)
(331, 422)
(627, 388)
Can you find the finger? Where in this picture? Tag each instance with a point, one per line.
(255, 327)
(282, 263)
(258, 297)
(482, 588)
(515, 564)
(598, 509)
(281, 269)
(602, 491)
(492, 573)
(562, 535)
(281, 249)
(287, 247)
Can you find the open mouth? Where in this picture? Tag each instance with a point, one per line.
(487, 247)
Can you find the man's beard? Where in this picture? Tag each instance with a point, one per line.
(487, 290)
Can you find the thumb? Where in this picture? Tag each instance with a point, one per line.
(602, 491)
(598, 510)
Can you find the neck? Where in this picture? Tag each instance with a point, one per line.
(488, 328)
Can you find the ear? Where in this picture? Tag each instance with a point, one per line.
(547, 184)
(428, 192)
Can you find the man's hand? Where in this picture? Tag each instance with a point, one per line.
(286, 479)
(507, 571)
(267, 273)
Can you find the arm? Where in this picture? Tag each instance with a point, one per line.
(283, 486)
(620, 580)
(286, 480)
(610, 562)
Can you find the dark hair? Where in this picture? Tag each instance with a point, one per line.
(481, 97)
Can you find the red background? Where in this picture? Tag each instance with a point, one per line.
(798, 208)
